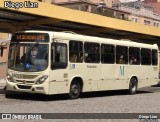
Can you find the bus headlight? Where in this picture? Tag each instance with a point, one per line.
(42, 79)
(9, 78)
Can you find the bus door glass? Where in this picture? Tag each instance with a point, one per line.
(58, 56)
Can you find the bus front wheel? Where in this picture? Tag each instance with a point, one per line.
(133, 86)
(75, 90)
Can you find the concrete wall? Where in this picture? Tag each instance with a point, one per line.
(4, 56)
(3, 62)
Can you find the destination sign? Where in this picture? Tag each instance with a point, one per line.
(30, 37)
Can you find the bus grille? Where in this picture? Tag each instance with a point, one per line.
(29, 76)
(19, 81)
(25, 82)
(24, 87)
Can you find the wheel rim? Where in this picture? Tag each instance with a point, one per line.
(74, 90)
(133, 86)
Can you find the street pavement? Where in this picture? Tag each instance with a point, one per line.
(145, 101)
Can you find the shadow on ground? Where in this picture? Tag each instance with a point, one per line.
(158, 85)
(2, 90)
(41, 97)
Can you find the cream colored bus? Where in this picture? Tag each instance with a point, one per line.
(60, 62)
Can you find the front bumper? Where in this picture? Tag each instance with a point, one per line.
(30, 88)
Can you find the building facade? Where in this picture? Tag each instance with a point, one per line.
(137, 12)
(141, 13)
(155, 4)
(151, 1)
(109, 3)
(4, 39)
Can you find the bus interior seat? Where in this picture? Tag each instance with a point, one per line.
(73, 58)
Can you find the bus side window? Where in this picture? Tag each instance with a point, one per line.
(154, 57)
(134, 56)
(58, 56)
(121, 55)
(145, 56)
(91, 52)
(107, 54)
(76, 51)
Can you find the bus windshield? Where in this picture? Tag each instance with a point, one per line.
(28, 52)
(29, 57)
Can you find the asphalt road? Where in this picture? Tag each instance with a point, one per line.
(147, 100)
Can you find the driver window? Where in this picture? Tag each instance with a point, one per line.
(58, 56)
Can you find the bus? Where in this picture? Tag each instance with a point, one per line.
(51, 63)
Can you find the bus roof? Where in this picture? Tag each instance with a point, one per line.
(78, 37)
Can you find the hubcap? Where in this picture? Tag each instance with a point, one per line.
(133, 87)
(74, 89)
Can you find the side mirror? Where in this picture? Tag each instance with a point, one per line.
(2, 50)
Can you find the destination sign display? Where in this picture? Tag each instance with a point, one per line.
(30, 37)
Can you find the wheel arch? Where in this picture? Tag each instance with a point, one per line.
(79, 80)
(134, 76)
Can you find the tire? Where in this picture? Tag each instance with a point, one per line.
(8, 94)
(133, 86)
(75, 90)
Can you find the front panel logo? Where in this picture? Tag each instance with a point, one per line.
(121, 71)
(18, 76)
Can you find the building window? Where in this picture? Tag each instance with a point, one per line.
(134, 19)
(147, 22)
(1, 51)
(156, 24)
